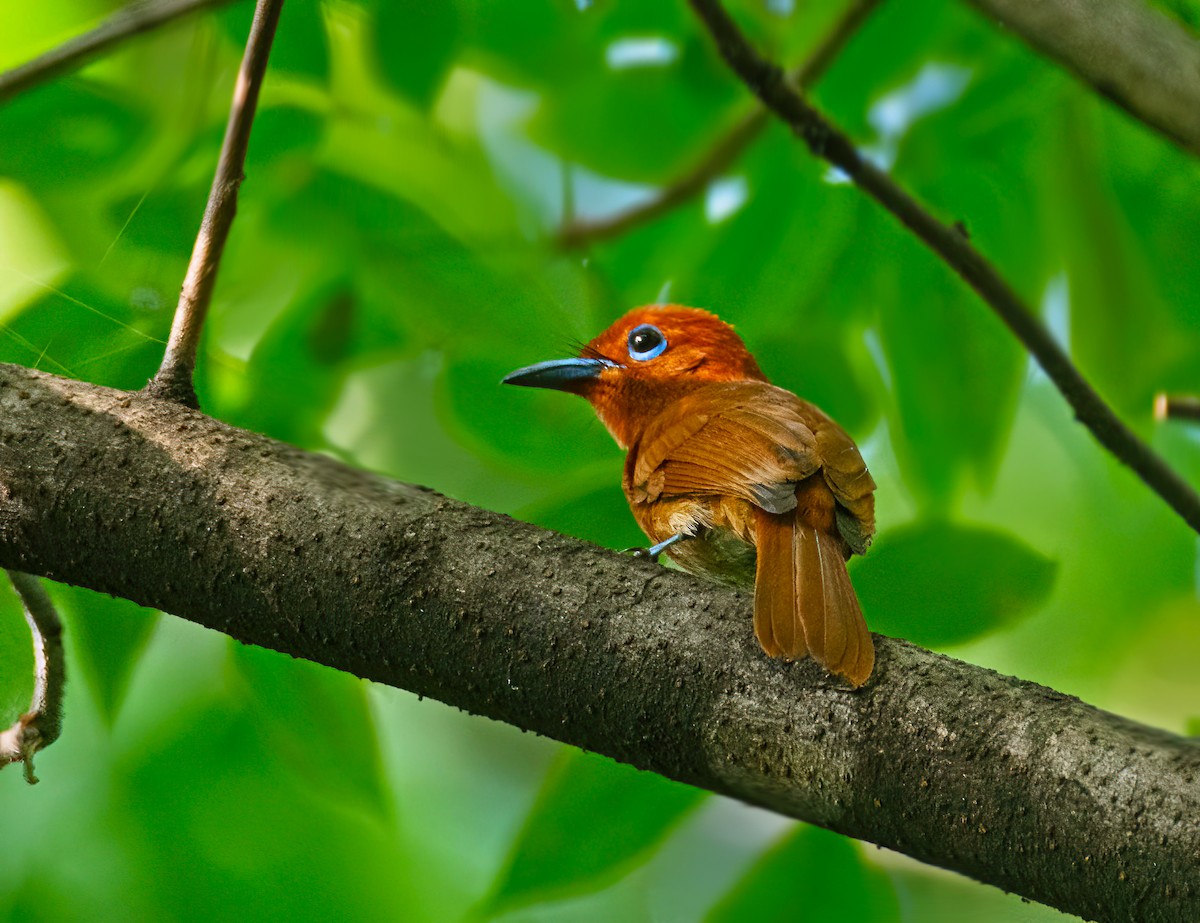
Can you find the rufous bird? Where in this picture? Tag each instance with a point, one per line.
(737, 480)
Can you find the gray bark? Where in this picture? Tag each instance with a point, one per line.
(1005, 781)
(1137, 56)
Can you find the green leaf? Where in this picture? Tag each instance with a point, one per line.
(107, 636)
(939, 583)
(956, 373)
(280, 131)
(812, 874)
(598, 515)
(252, 836)
(317, 722)
(556, 433)
(415, 45)
(593, 822)
(300, 45)
(61, 136)
(27, 240)
(637, 119)
(297, 369)
(81, 331)
(1122, 350)
(814, 361)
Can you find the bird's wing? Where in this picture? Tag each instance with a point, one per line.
(754, 441)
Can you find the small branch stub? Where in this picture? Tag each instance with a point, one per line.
(1177, 407)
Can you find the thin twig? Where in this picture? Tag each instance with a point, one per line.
(825, 141)
(74, 53)
(173, 380)
(728, 148)
(40, 726)
(1176, 407)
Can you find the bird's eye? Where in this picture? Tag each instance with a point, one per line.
(646, 342)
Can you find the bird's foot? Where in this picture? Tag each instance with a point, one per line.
(651, 554)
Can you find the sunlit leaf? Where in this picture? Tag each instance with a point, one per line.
(939, 583)
(593, 822)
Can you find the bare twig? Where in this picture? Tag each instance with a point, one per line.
(949, 242)
(74, 53)
(39, 727)
(173, 380)
(722, 155)
(1128, 50)
(1176, 407)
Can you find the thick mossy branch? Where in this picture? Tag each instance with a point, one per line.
(1003, 780)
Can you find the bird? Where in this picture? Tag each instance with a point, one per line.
(735, 479)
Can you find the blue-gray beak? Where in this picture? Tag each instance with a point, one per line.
(559, 374)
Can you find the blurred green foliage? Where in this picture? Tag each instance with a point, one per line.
(393, 258)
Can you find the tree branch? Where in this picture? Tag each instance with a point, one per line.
(1176, 407)
(74, 53)
(173, 381)
(1130, 52)
(951, 244)
(1002, 780)
(39, 727)
(722, 155)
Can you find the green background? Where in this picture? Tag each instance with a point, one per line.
(393, 257)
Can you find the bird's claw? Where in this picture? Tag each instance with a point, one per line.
(651, 554)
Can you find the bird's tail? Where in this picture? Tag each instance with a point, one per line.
(803, 600)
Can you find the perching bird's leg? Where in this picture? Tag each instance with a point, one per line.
(654, 551)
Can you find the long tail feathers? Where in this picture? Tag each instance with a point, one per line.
(803, 600)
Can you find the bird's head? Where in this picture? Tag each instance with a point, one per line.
(647, 359)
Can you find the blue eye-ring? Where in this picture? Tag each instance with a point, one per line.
(646, 342)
